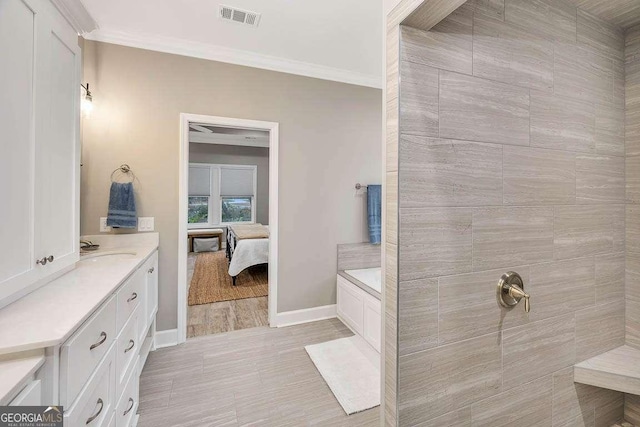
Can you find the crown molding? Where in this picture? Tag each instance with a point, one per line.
(77, 15)
(234, 56)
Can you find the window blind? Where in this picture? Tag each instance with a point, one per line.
(199, 181)
(236, 182)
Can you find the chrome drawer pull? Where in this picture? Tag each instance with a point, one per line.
(93, 417)
(132, 297)
(132, 402)
(151, 270)
(132, 344)
(103, 338)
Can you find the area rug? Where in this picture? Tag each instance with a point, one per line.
(211, 282)
(351, 369)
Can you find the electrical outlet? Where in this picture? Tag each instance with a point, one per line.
(146, 223)
(104, 228)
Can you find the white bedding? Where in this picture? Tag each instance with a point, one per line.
(248, 252)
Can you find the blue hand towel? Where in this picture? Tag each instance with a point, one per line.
(374, 213)
(122, 206)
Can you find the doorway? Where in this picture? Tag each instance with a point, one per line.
(214, 217)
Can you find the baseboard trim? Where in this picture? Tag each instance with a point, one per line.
(167, 338)
(297, 317)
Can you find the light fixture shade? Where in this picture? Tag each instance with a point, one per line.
(87, 105)
(87, 101)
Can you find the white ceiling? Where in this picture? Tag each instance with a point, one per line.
(332, 39)
(208, 134)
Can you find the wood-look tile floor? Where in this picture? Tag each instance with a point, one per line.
(252, 377)
(224, 316)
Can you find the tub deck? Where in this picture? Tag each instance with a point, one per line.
(359, 278)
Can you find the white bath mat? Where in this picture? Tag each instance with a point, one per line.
(351, 369)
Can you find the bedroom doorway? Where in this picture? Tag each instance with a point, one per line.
(227, 263)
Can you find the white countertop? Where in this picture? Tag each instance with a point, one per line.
(15, 370)
(49, 315)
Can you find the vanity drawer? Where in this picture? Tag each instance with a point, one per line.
(127, 349)
(31, 395)
(95, 404)
(81, 354)
(127, 406)
(130, 296)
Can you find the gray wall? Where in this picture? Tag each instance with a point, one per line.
(632, 144)
(238, 155)
(510, 157)
(329, 139)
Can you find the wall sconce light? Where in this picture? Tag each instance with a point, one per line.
(87, 101)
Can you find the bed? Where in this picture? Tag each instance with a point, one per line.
(247, 245)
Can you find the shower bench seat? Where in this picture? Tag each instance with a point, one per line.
(618, 369)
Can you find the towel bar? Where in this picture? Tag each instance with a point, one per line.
(125, 169)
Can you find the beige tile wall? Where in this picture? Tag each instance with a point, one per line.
(390, 294)
(632, 145)
(353, 256)
(511, 156)
(632, 172)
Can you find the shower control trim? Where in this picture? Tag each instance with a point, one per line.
(511, 291)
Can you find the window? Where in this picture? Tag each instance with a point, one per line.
(236, 209)
(221, 194)
(198, 209)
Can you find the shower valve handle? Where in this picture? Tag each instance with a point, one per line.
(511, 291)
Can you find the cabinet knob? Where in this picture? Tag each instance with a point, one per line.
(45, 260)
(151, 270)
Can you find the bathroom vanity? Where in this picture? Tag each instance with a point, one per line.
(75, 330)
(81, 341)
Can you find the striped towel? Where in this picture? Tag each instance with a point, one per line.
(122, 206)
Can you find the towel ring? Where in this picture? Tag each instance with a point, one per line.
(125, 169)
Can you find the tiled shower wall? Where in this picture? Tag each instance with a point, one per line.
(510, 156)
(632, 144)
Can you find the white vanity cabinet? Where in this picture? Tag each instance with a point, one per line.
(100, 364)
(39, 164)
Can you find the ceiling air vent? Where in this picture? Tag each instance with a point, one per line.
(239, 16)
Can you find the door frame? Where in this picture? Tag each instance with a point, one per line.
(183, 193)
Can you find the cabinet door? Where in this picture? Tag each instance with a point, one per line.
(17, 167)
(372, 322)
(57, 154)
(350, 305)
(152, 288)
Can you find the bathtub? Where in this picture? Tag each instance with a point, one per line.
(358, 303)
(369, 277)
